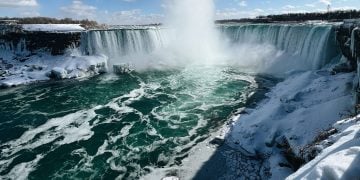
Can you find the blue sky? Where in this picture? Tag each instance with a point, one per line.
(151, 11)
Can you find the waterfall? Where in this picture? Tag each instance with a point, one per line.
(313, 45)
(269, 47)
(18, 48)
(116, 43)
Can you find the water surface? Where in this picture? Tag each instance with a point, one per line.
(115, 126)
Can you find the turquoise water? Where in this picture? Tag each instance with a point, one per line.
(115, 126)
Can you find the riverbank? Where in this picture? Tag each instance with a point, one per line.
(270, 139)
(276, 137)
(44, 67)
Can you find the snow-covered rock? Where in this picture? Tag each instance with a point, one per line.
(58, 73)
(297, 110)
(341, 160)
(53, 27)
(121, 69)
(43, 67)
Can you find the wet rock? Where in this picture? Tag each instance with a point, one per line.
(99, 68)
(217, 142)
(121, 69)
(8, 66)
(57, 73)
(348, 38)
(32, 68)
(170, 178)
(53, 42)
(21, 59)
(3, 72)
(340, 68)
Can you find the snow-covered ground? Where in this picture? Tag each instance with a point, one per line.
(53, 27)
(43, 67)
(297, 111)
(341, 157)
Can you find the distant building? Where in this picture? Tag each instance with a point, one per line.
(8, 22)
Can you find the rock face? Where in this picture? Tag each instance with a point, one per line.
(58, 73)
(55, 43)
(121, 69)
(348, 37)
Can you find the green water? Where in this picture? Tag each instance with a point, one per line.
(111, 126)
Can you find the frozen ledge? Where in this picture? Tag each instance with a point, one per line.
(340, 160)
(53, 27)
(46, 67)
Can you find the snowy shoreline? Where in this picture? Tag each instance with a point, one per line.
(44, 67)
(323, 101)
(288, 121)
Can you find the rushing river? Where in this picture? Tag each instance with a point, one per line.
(115, 126)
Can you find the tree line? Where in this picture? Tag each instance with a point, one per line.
(47, 20)
(338, 15)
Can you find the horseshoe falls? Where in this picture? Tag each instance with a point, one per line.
(127, 126)
(290, 46)
(283, 47)
(187, 99)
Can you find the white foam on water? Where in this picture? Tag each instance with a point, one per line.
(21, 171)
(60, 127)
(72, 127)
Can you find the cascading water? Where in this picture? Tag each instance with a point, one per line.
(275, 48)
(291, 47)
(18, 48)
(125, 126)
(117, 43)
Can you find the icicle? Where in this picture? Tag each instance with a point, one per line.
(352, 45)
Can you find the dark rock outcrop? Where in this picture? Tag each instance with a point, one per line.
(55, 43)
(344, 37)
(348, 37)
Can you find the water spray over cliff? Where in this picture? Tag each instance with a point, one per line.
(193, 35)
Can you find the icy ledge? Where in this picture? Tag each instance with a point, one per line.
(53, 27)
(296, 112)
(44, 67)
(341, 158)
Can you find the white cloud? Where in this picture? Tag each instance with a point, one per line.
(259, 10)
(327, 2)
(232, 13)
(242, 3)
(79, 10)
(18, 3)
(288, 7)
(310, 5)
(29, 13)
(132, 17)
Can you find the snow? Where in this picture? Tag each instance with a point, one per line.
(43, 67)
(192, 164)
(53, 27)
(303, 99)
(297, 109)
(340, 160)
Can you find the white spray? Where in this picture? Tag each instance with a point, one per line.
(192, 33)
